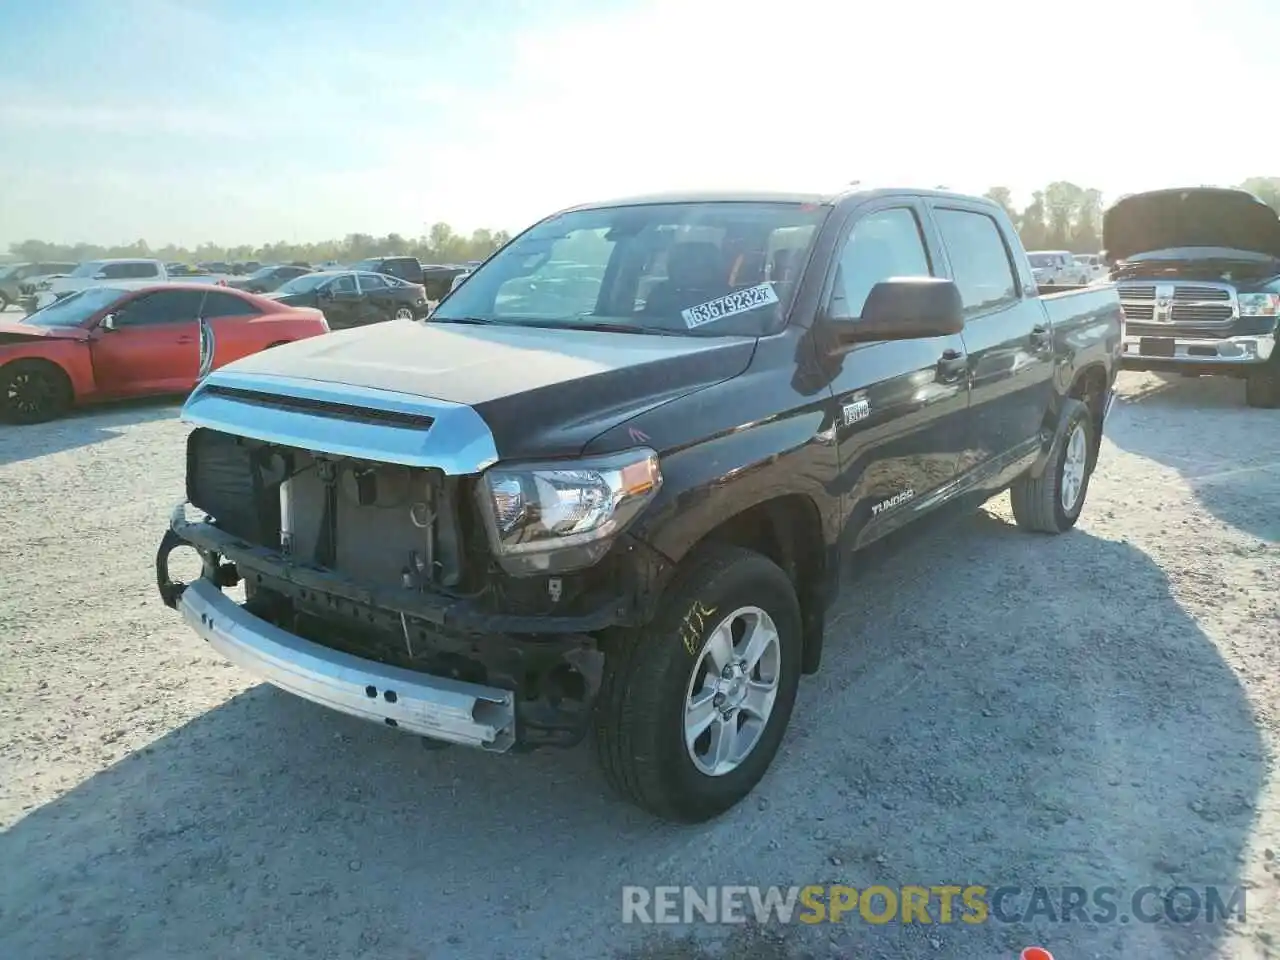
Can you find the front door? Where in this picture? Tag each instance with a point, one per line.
(900, 405)
(153, 346)
(1006, 333)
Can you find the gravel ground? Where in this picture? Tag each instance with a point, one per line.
(1095, 709)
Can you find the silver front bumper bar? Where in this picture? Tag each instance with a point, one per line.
(1232, 350)
(437, 707)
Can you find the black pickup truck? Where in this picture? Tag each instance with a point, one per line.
(1198, 271)
(624, 506)
(435, 278)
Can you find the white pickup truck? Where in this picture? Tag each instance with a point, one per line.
(1057, 267)
(93, 273)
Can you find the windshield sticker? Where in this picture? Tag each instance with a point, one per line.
(730, 306)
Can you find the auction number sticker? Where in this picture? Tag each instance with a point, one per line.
(735, 303)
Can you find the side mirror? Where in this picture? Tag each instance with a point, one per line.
(108, 322)
(905, 308)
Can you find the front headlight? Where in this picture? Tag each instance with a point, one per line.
(549, 518)
(1259, 304)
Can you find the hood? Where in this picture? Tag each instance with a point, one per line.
(543, 393)
(13, 331)
(1194, 217)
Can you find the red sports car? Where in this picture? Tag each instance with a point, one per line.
(111, 342)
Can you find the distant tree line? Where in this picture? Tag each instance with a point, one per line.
(439, 245)
(1062, 216)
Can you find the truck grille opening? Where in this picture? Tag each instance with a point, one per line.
(377, 523)
(1177, 303)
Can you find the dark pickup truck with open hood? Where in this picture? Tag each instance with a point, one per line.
(1199, 276)
(610, 485)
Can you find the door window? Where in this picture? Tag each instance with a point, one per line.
(166, 306)
(883, 244)
(129, 271)
(979, 259)
(343, 284)
(372, 281)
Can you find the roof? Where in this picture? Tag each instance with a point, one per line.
(820, 197)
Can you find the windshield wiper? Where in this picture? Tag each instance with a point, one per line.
(597, 326)
(479, 321)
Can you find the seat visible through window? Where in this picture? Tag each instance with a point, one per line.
(696, 273)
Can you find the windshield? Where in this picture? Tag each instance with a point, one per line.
(74, 310)
(262, 273)
(305, 283)
(717, 268)
(370, 265)
(9, 269)
(86, 269)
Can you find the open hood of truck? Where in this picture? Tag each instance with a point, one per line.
(1194, 217)
(542, 392)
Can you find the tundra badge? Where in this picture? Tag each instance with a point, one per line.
(897, 500)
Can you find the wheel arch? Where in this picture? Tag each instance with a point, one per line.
(788, 530)
(1089, 386)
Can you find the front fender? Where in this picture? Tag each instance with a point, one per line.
(72, 356)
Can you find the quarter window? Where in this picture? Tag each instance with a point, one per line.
(228, 305)
(979, 259)
(883, 244)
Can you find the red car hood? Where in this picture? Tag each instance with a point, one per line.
(12, 331)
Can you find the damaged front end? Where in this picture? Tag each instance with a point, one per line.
(380, 578)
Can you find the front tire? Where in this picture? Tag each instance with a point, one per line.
(404, 313)
(33, 391)
(1051, 503)
(1262, 387)
(693, 708)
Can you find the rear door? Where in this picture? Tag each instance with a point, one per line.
(1007, 334)
(900, 405)
(376, 297)
(154, 346)
(405, 268)
(342, 304)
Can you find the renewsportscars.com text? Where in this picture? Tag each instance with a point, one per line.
(970, 904)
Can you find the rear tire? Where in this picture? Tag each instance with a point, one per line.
(1051, 503)
(404, 313)
(5, 302)
(33, 391)
(1262, 387)
(661, 683)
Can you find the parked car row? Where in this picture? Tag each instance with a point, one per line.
(118, 339)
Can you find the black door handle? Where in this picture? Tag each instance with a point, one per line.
(952, 365)
(1041, 336)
